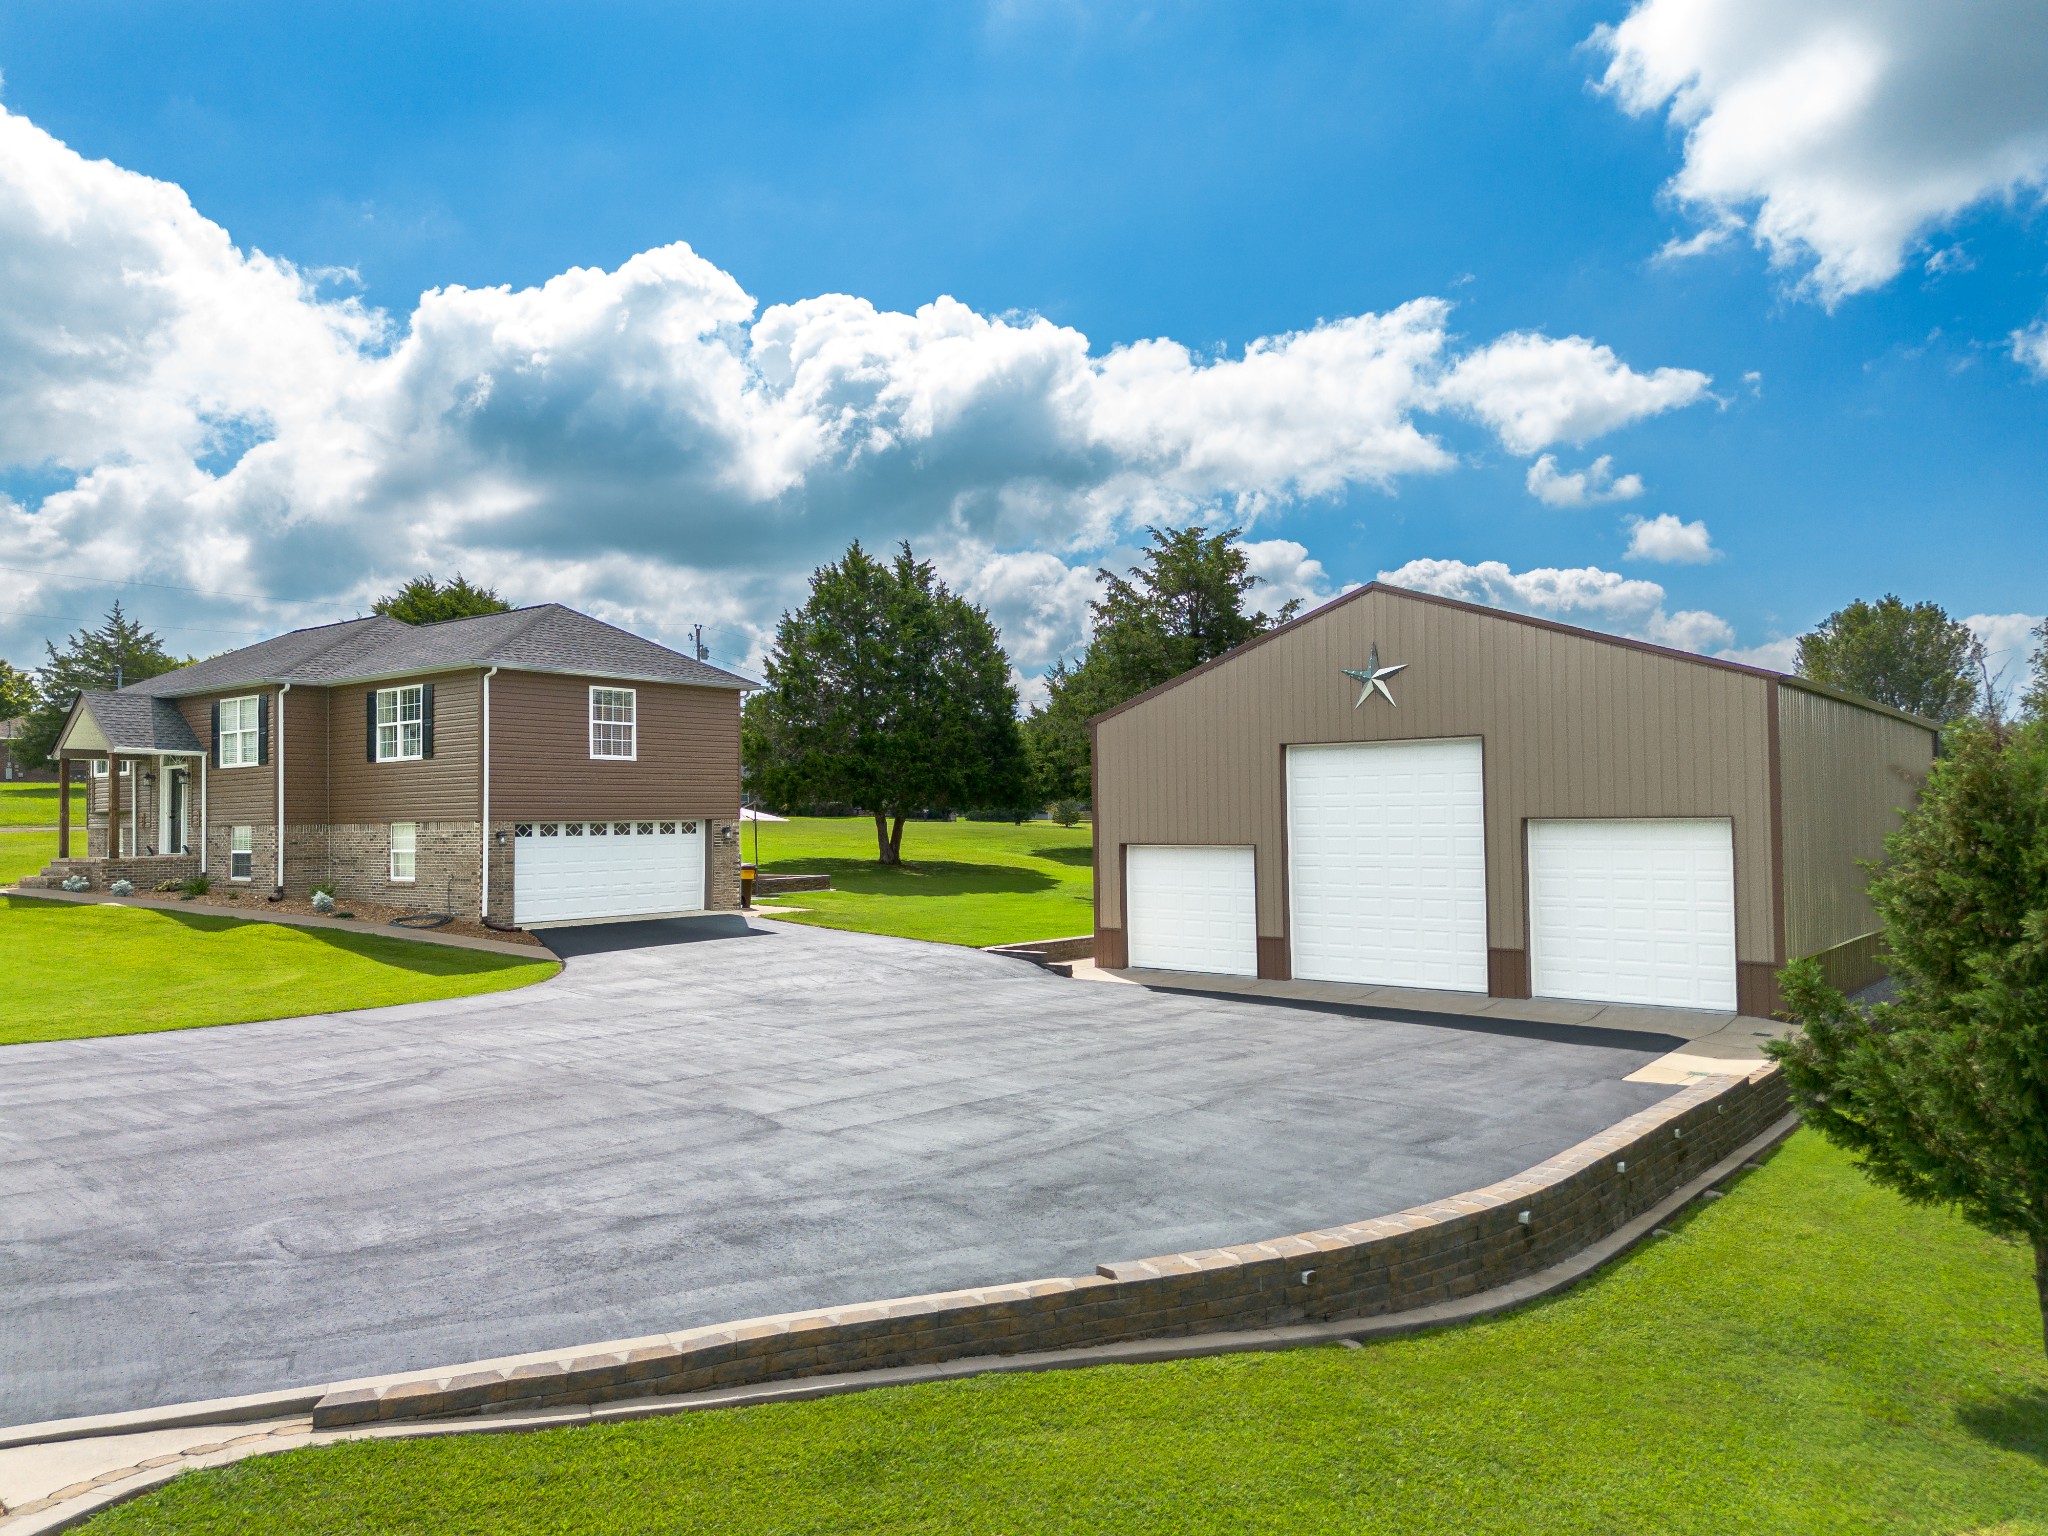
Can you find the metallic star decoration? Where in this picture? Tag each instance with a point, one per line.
(1373, 680)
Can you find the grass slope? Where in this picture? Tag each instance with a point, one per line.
(962, 882)
(75, 971)
(1807, 1355)
(25, 853)
(35, 805)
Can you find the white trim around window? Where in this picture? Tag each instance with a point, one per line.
(241, 724)
(99, 767)
(404, 849)
(401, 724)
(614, 724)
(241, 853)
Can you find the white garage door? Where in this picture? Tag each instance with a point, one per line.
(563, 871)
(1387, 863)
(1192, 909)
(1633, 911)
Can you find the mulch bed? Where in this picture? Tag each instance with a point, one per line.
(373, 916)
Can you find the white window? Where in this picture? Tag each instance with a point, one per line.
(99, 767)
(240, 744)
(612, 728)
(400, 729)
(126, 769)
(404, 840)
(241, 852)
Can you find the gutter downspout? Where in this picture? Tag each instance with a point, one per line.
(281, 692)
(484, 883)
(204, 764)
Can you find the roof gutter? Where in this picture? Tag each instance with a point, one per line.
(279, 734)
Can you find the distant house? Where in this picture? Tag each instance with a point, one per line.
(537, 766)
(10, 770)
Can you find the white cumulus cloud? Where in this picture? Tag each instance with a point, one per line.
(1670, 542)
(2030, 347)
(1581, 487)
(1839, 133)
(649, 442)
(1538, 390)
(1583, 595)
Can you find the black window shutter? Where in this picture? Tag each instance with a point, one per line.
(263, 729)
(426, 720)
(370, 725)
(216, 733)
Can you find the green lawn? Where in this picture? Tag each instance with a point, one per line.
(25, 853)
(963, 882)
(35, 805)
(74, 971)
(1807, 1355)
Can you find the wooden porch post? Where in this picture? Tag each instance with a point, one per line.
(113, 805)
(63, 806)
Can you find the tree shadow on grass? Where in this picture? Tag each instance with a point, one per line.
(372, 944)
(921, 877)
(1072, 853)
(2017, 1421)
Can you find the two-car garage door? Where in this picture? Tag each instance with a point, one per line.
(576, 871)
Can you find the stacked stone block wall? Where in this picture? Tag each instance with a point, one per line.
(1432, 1253)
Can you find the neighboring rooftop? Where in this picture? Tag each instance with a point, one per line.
(546, 638)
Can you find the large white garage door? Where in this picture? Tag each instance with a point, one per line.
(1633, 911)
(563, 871)
(1387, 862)
(1192, 909)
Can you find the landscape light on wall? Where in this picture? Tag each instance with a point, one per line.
(1373, 680)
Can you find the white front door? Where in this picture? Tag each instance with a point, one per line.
(1386, 856)
(571, 871)
(1633, 911)
(1192, 909)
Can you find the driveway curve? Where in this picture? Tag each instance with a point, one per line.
(698, 1122)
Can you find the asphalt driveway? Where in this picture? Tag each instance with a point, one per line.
(675, 1133)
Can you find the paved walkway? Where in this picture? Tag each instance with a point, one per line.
(764, 1118)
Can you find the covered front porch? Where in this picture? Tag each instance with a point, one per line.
(143, 811)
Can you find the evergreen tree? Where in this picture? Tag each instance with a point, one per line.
(1917, 659)
(1182, 606)
(424, 600)
(1942, 1093)
(887, 691)
(91, 659)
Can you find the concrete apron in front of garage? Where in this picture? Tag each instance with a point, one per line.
(1715, 1044)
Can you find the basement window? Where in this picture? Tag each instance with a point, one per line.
(241, 852)
(404, 841)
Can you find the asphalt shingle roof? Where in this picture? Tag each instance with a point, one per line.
(135, 723)
(547, 638)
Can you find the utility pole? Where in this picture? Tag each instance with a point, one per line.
(703, 650)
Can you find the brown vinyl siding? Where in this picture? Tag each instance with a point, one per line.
(1847, 774)
(305, 756)
(234, 796)
(443, 787)
(688, 761)
(1572, 725)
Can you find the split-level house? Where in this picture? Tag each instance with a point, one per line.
(536, 766)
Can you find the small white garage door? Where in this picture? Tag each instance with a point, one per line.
(1633, 912)
(1192, 909)
(1386, 847)
(566, 871)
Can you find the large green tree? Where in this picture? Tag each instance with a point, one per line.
(1183, 604)
(2035, 700)
(17, 692)
(1942, 1093)
(423, 600)
(120, 649)
(888, 691)
(1913, 658)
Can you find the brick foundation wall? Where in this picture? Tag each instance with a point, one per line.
(262, 864)
(1432, 1253)
(445, 866)
(144, 873)
(722, 865)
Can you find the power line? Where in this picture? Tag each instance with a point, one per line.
(79, 618)
(170, 586)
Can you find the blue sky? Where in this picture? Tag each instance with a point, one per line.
(1209, 174)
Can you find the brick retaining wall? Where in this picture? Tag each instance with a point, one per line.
(1432, 1253)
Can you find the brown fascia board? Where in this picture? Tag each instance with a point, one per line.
(1744, 668)
(247, 684)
